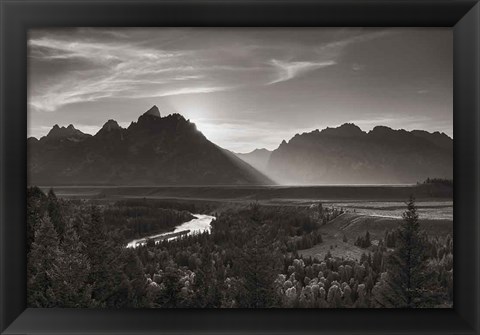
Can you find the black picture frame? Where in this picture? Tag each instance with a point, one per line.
(17, 16)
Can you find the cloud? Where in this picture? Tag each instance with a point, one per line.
(423, 91)
(183, 90)
(337, 46)
(326, 55)
(98, 70)
(88, 65)
(358, 67)
(290, 70)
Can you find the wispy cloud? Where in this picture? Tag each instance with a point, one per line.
(337, 46)
(99, 70)
(289, 70)
(107, 64)
(326, 55)
(183, 90)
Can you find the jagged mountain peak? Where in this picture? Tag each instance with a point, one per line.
(383, 130)
(173, 123)
(64, 132)
(111, 125)
(154, 111)
(345, 130)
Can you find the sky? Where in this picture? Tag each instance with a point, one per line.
(244, 88)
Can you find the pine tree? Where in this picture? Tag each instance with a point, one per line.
(105, 275)
(260, 265)
(404, 283)
(36, 200)
(368, 243)
(135, 274)
(43, 265)
(206, 287)
(71, 286)
(169, 297)
(54, 211)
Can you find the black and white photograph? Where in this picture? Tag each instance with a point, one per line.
(229, 167)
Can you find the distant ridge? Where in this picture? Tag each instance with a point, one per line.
(257, 158)
(348, 155)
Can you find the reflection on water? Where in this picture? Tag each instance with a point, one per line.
(200, 224)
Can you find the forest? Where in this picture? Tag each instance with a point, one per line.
(77, 257)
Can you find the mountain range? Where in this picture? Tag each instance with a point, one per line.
(169, 150)
(348, 155)
(155, 150)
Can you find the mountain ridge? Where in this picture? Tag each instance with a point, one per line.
(154, 150)
(258, 158)
(170, 150)
(347, 154)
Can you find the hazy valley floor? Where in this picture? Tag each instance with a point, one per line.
(272, 194)
(375, 209)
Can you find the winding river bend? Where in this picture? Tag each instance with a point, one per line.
(200, 224)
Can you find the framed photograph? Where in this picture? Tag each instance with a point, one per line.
(240, 167)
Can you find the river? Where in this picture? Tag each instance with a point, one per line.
(200, 224)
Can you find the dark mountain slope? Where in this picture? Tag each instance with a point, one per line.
(347, 155)
(154, 150)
